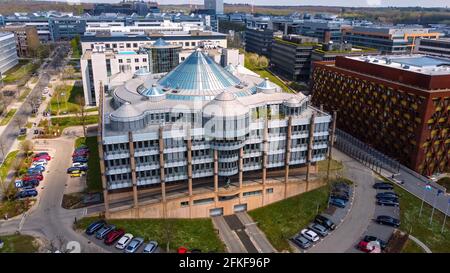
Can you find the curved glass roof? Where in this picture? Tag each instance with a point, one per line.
(200, 73)
(160, 42)
(152, 91)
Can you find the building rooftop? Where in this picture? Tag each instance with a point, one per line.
(418, 63)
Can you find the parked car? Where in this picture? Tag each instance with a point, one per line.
(27, 193)
(319, 229)
(32, 171)
(72, 169)
(41, 167)
(77, 173)
(113, 236)
(302, 242)
(150, 247)
(324, 221)
(383, 186)
(124, 241)
(134, 245)
(338, 202)
(310, 235)
(80, 153)
(43, 155)
(195, 250)
(93, 227)
(182, 250)
(79, 164)
(82, 147)
(27, 177)
(39, 162)
(80, 159)
(387, 202)
(387, 220)
(392, 198)
(340, 196)
(101, 233)
(386, 194)
(32, 183)
(369, 238)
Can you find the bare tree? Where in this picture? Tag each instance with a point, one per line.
(19, 121)
(81, 112)
(169, 230)
(26, 147)
(16, 165)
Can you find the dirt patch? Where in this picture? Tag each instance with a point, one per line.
(397, 242)
(72, 200)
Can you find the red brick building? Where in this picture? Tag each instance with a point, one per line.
(399, 104)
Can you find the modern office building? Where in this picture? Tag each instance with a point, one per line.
(163, 56)
(8, 53)
(140, 8)
(99, 66)
(325, 31)
(27, 39)
(216, 5)
(435, 47)
(291, 56)
(398, 104)
(203, 124)
(188, 40)
(388, 39)
(258, 41)
(329, 52)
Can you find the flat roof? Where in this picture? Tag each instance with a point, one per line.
(423, 64)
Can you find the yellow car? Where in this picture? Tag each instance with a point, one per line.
(77, 173)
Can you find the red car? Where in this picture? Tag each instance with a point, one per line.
(364, 246)
(182, 250)
(46, 157)
(43, 155)
(114, 236)
(80, 153)
(27, 177)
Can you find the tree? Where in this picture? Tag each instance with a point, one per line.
(19, 121)
(81, 112)
(42, 52)
(263, 62)
(26, 146)
(16, 165)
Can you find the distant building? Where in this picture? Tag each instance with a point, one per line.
(324, 31)
(291, 56)
(388, 39)
(398, 104)
(27, 39)
(258, 41)
(141, 8)
(231, 56)
(216, 5)
(439, 47)
(8, 53)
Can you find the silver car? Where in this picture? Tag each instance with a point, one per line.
(319, 229)
(151, 247)
(101, 233)
(134, 245)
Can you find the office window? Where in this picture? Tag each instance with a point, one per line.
(128, 45)
(136, 60)
(114, 45)
(144, 60)
(186, 43)
(136, 68)
(135, 45)
(192, 43)
(120, 61)
(128, 61)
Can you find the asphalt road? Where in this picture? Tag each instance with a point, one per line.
(11, 131)
(47, 219)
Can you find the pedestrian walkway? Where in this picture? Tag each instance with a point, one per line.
(227, 235)
(259, 238)
(236, 225)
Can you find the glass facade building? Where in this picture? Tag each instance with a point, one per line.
(162, 56)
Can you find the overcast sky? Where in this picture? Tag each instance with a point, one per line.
(348, 3)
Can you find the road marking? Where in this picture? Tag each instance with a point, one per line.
(22, 221)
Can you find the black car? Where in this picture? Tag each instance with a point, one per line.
(93, 227)
(388, 202)
(80, 159)
(81, 169)
(386, 194)
(392, 198)
(388, 220)
(383, 186)
(340, 196)
(33, 183)
(324, 221)
(369, 238)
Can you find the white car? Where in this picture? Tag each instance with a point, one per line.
(79, 164)
(124, 241)
(310, 235)
(46, 90)
(40, 162)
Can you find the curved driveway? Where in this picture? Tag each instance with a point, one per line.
(349, 232)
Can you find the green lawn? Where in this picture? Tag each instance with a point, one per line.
(4, 168)
(282, 220)
(74, 121)
(190, 233)
(24, 94)
(15, 207)
(93, 179)
(65, 103)
(8, 117)
(412, 247)
(21, 71)
(420, 227)
(18, 244)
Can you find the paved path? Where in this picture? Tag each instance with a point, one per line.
(356, 222)
(227, 235)
(258, 237)
(419, 243)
